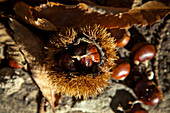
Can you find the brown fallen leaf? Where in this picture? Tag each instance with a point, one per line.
(103, 7)
(51, 15)
(12, 48)
(110, 3)
(24, 12)
(107, 10)
(32, 48)
(118, 3)
(90, 2)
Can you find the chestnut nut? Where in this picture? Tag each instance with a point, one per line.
(142, 52)
(122, 70)
(148, 92)
(121, 35)
(14, 64)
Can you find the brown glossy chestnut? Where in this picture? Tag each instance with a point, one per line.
(86, 62)
(123, 41)
(79, 50)
(66, 62)
(93, 53)
(14, 64)
(122, 70)
(121, 35)
(143, 51)
(148, 92)
(86, 54)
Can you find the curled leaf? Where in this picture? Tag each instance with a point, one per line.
(57, 15)
(32, 49)
(24, 12)
(12, 48)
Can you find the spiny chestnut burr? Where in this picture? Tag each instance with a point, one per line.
(91, 47)
(121, 35)
(143, 52)
(122, 70)
(148, 92)
(14, 64)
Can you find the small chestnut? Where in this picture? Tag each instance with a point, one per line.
(66, 62)
(86, 54)
(148, 92)
(93, 52)
(86, 62)
(14, 64)
(121, 35)
(143, 52)
(122, 70)
(79, 50)
(123, 41)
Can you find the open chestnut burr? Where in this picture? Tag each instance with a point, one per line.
(83, 66)
(80, 57)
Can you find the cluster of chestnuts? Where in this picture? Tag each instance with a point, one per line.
(146, 89)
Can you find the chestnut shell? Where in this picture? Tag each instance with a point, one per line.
(122, 70)
(143, 51)
(148, 92)
(121, 36)
(66, 62)
(93, 52)
(14, 64)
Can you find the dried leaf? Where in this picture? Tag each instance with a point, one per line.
(28, 42)
(118, 3)
(80, 15)
(111, 3)
(104, 7)
(24, 12)
(39, 75)
(107, 10)
(12, 48)
(89, 2)
(32, 49)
